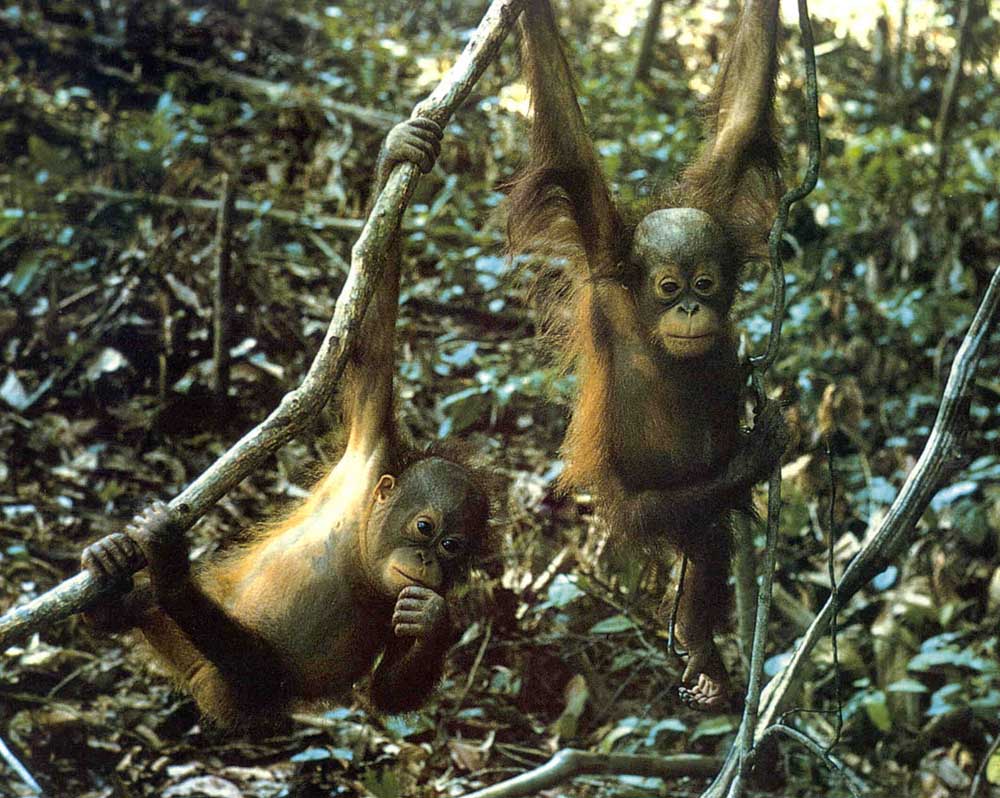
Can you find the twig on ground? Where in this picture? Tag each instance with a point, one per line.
(571, 762)
(222, 289)
(314, 221)
(19, 770)
(487, 635)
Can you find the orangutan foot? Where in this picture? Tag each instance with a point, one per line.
(705, 683)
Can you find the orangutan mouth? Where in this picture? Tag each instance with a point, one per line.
(407, 576)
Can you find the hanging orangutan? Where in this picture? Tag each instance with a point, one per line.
(353, 584)
(655, 434)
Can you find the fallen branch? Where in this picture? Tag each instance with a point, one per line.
(298, 408)
(19, 770)
(571, 762)
(287, 94)
(222, 311)
(314, 221)
(311, 221)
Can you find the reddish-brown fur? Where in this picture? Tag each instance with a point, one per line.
(654, 434)
(304, 610)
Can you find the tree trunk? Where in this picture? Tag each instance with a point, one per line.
(649, 33)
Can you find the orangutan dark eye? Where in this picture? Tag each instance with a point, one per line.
(425, 526)
(452, 546)
(704, 284)
(668, 287)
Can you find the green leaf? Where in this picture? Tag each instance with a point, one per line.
(963, 658)
(623, 660)
(666, 725)
(563, 590)
(713, 727)
(462, 356)
(907, 686)
(878, 711)
(463, 409)
(312, 755)
(25, 275)
(612, 625)
(383, 783)
(408, 725)
(577, 693)
(993, 769)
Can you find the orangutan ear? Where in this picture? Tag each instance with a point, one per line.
(385, 485)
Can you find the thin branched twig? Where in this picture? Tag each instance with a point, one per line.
(6, 755)
(854, 784)
(762, 363)
(749, 723)
(980, 780)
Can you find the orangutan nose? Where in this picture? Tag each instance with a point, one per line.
(689, 307)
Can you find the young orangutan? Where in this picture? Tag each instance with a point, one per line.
(655, 432)
(361, 570)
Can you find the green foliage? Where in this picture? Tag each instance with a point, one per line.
(105, 311)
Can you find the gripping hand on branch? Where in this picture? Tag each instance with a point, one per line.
(151, 540)
(762, 449)
(416, 141)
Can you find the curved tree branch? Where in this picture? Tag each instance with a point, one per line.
(571, 762)
(302, 404)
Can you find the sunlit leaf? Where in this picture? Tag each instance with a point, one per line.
(878, 712)
(612, 625)
(993, 769)
(713, 727)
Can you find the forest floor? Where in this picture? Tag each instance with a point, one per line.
(117, 121)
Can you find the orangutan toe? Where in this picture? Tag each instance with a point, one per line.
(705, 695)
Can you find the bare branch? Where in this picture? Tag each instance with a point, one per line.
(222, 289)
(571, 762)
(19, 770)
(851, 779)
